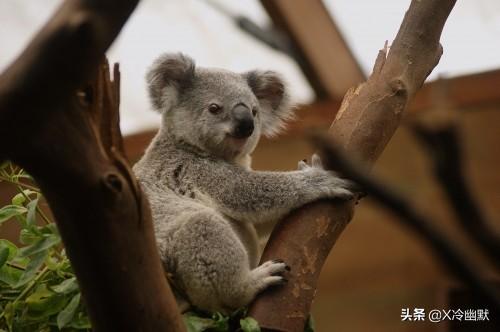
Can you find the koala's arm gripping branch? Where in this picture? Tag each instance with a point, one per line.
(364, 124)
(69, 140)
(271, 197)
(264, 196)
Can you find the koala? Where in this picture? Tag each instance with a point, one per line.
(204, 196)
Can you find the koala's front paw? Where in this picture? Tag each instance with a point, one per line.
(270, 273)
(326, 184)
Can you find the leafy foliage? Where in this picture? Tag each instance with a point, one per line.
(38, 288)
(198, 321)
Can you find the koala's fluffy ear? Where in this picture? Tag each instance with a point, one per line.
(272, 93)
(166, 77)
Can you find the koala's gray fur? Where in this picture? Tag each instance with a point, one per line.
(204, 197)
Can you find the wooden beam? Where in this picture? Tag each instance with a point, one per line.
(475, 90)
(463, 92)
(321, 51)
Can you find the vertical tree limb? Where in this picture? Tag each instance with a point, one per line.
(364, 124)
(72, 145)
(440, 136)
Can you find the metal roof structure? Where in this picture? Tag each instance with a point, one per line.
(206, 31)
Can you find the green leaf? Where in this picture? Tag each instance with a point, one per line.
(10, 275)
(20, 261)
(52, 263)
(19, 199)
(81, 322)
(9, 313)
(4, 254)
(12, 247)
(27, 236)
(248, 324)
(10, 211)
(49, 229)
(310, 324)
(221, 322)
(36, 301)
(31, 217)
(197, 324)
(31, 269)
(67, 286)
(67, 314)
(41, 245)
(64, 268)
(44, 303)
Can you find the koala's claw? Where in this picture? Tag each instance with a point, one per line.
(302, 165)
(344, 194)
(316, 161)
(271, 273)
(271, 267)
(287, 268)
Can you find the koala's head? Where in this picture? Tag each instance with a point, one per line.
(220, 112)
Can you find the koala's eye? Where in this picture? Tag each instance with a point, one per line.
(214, 108)
(254, 111)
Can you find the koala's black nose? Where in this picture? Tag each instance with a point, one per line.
(244, 128)
(243, 122)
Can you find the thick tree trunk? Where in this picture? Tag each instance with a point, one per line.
(73, 148)
(70, 142)
(364, 125)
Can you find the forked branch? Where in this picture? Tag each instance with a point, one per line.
(364, 124)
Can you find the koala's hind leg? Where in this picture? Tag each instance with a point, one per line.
(213, 267)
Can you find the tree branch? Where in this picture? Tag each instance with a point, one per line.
(439, 134)
(70, 142)
(364, 124)
(450, 255)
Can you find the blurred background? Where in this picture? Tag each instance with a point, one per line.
(323, 48)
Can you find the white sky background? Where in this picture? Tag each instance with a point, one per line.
(471, 36)
(471, 40)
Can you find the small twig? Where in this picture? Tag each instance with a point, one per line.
(38, 210)
(27, 186)
(16, 266)
(442, 142)
(19, 185)
(451, 255)
(29, 288)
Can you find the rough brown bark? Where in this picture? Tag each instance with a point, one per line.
(364, 124)
(70, 142)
